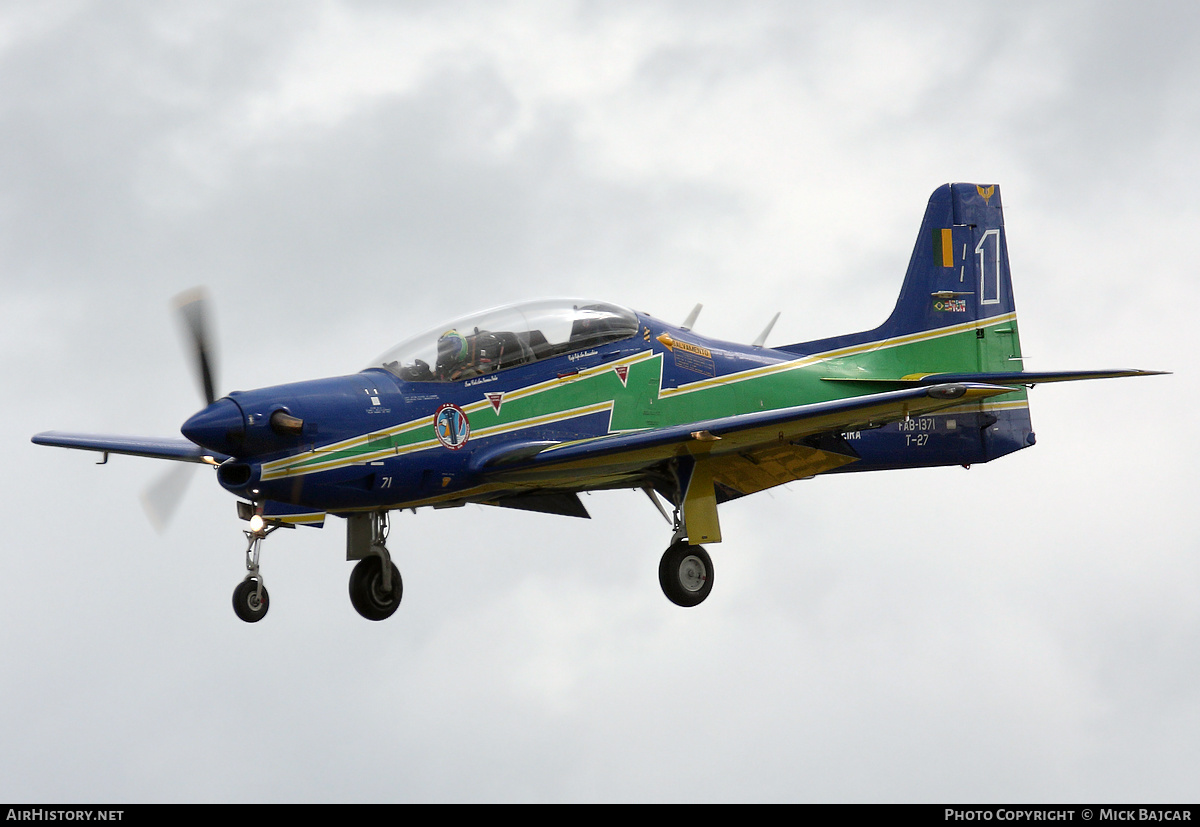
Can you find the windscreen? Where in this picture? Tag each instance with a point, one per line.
(506, 337)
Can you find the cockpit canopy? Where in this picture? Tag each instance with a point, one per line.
(508, 336)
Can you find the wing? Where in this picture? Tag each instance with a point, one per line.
(746, 453)
(178, 449)
(727, 457)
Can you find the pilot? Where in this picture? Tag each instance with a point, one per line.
(452, 356)
(462, 358)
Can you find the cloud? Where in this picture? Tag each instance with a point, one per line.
(344, 174)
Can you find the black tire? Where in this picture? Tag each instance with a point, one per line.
(247, 603)
(366, 589)
(686, 574)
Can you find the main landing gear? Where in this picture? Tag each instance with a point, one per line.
(375, 587)
(685, 574)
(685, 571)
(375, 584)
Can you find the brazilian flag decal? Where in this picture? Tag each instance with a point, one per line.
(943, 247)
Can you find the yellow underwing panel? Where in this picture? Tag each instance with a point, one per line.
(755, 471)
(700, 506)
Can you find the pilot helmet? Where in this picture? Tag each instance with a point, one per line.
(452, 347)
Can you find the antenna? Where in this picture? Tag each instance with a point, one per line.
(762, 337)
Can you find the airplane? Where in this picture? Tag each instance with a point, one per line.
(526, 406)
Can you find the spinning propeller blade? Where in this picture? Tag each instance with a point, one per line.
(162, 497)
(193, 311)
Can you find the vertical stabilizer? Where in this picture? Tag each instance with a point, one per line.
(955, 316)
(959, 267)
(957, 292)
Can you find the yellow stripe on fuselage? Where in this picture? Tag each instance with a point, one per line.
(841, 353)
(301, 464)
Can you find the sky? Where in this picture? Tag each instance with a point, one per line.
(340, 175)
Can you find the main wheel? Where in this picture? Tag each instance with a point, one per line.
(248, 603)
(686, 574)
(366, 589)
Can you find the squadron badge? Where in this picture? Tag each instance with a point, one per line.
(451, 426)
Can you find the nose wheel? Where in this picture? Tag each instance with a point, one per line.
(250, 601)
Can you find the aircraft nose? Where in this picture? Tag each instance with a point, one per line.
(220, 427)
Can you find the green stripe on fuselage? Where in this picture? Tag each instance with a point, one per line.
(641, 402)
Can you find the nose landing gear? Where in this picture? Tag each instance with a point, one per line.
(250, 601)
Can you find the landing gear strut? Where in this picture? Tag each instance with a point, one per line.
(685, 571)
(250, 601)
(375, 584)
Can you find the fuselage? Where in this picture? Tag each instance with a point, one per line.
(376, 439)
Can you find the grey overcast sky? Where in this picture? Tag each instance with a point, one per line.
(342, 174)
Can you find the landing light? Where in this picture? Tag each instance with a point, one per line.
(257, 523)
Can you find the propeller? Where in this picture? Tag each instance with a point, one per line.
(192, 307)
(162, 497)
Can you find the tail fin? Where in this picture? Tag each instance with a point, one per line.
(959, 269)
(955, 313)
(955, 317)
(955, 321)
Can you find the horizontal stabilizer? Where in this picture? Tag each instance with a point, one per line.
(1001, 378)
(1034, 377)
